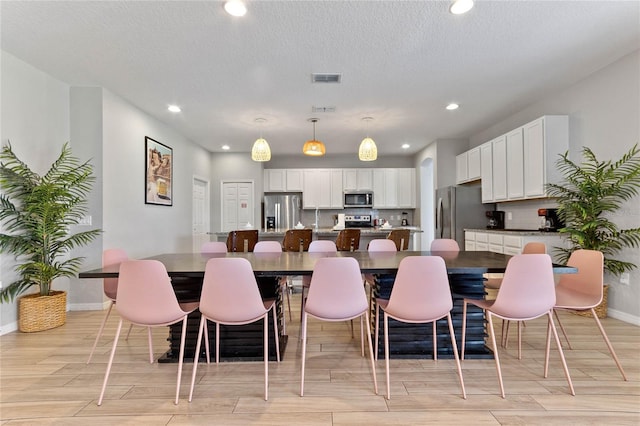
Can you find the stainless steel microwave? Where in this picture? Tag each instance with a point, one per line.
(358, 199)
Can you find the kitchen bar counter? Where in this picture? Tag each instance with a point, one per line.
(523, 232)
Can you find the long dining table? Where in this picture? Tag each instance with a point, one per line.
(465, 269)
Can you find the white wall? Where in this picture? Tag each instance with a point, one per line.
(35, 118)
(604, 115)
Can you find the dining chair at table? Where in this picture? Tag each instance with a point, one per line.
(527, 292)
(242, 240)
(420, 294)
(213, 247)
(377, 246)
(336, 294)
(110, 288)
(584, 291)
(316, 246)
(230, 296)
(400, 237)
(275, 247)
(348, 240)
(444, 244)
(146, 297)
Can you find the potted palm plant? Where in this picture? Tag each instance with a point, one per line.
(37, 213)
(589, 194)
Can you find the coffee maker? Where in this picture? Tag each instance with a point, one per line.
(549, 220)
(496, 219)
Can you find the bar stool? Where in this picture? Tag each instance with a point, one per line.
(400, 237)
(242, 240)
(348, 240)
(297, 239)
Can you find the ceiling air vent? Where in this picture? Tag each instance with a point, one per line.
(323, 109)
(326, 78)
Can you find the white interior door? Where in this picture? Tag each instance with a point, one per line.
(237, 205)
(200, 213)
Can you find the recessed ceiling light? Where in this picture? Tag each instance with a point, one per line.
(226, 147)
(451, 107)
(405, 146)
(459, 7)
(174, 108)
(235, 8)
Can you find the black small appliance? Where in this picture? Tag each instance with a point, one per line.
(271, 223)
(495, 219)
(549, 220)
(405, 221)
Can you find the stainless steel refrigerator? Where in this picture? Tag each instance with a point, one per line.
(457, 208)
(281, 211)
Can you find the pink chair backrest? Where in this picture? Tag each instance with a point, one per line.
(230, 292)
(382, 245)
(589, 279)
(145, 294)
(112, 257)
(421, 290)
(444, 244)
(213, 247)
(267, 247)
(336, 290)
(534, 247)
(323, 246)
(528, 287)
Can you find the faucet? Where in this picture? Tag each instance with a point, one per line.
(317, 217)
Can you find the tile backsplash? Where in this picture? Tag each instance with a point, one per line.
(326, 217)
(524, 214)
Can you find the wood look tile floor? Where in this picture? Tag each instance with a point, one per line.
(44, 380)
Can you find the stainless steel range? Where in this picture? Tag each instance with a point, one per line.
(357, 221)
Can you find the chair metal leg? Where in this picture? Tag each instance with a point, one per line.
(275, 332)
(303, 336)
(386, 354)
(564, 362)
(455, 355)
(265, 345)
(206, 341)
(217, 343)
(128, 332)
(606, 340)
(361, 336)
(373, 364)
(113, 352)
(435, 341)
(495, 352)
(181, 358)
(564, 333)
(100, 330)
(464, 328)
(150, 345)
(377, 326)
(201, 328)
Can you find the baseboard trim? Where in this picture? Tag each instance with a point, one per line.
(9, 328)
(89, 306)
(623, 316)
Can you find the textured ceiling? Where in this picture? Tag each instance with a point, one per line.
(401, 63)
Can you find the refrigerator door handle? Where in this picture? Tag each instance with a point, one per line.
(439, 217)
(277, 210)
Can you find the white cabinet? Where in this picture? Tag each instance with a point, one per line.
(283, 180)
(544, 140)
(394, 188)
(499, 168)
(468, 166)
(486, 161)
(515, 165)
(510, 243)
(322, 189)
(406, 188)
(357, 179)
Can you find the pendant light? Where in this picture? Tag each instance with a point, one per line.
(260, 150)
(313, 147)
(368, 150)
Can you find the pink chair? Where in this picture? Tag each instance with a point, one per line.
(377, 246)
(316, 246)
(584, 290)
(276, 247)
(213, 247)
(336, 294)
(230, 296)
(527, 292)
(145, 297)
(533, 247)
(110, 288)
(444, 244)
(420, 294)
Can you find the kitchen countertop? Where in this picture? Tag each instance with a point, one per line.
(514, 231)
(371, 232)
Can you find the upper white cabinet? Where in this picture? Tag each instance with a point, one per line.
(283, 180)
(394, 188)
(322, 189)
(357, 179)
(515, 165)
(544, 140)
(523, 161)
(468, 166)
(486, 161)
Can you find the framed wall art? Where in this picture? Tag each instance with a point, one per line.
(158, 187)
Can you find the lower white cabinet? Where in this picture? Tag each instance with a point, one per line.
(510, 243)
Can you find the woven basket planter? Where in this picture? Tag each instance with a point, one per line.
(39, 313)
(601, 309)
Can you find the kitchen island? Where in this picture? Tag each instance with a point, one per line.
(366, 235)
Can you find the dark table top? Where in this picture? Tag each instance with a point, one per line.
(294, 263)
